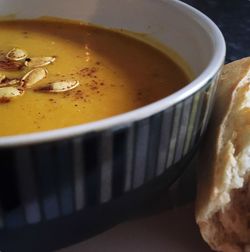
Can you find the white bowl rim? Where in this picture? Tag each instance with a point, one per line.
(126, 118)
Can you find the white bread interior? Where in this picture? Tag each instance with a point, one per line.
(223, 200)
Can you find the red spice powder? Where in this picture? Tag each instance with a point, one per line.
(4, 100)
(88, 72)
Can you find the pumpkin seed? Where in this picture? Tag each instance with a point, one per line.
(9, 92)
(8, 65)
(16, 54)
(2, 78)
(39, 61)
(13, 82)
(10, 82)
(33, 76)
(59, 86)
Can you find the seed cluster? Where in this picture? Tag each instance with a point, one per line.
(15, 60)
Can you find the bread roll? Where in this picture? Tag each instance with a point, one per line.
(223, 200)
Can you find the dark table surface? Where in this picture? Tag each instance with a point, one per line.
(233, 18)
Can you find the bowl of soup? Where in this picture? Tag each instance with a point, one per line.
(101, 104)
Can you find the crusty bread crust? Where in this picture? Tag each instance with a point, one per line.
(224, 167)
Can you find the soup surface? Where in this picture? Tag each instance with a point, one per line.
(115, 72)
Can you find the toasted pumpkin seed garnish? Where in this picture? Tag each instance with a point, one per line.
(16, 54)
(2, 77)
(33, 76)
(59, 86)
(10, 82)
(9, 92)
(39, 61)
(13, 82)
(8, 65)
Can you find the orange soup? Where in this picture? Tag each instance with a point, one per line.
(59, 73)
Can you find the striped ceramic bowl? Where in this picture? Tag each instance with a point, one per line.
(60, 186)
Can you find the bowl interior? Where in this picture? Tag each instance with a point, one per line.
(188, 32)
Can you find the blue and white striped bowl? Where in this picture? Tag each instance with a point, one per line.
(55, 184)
